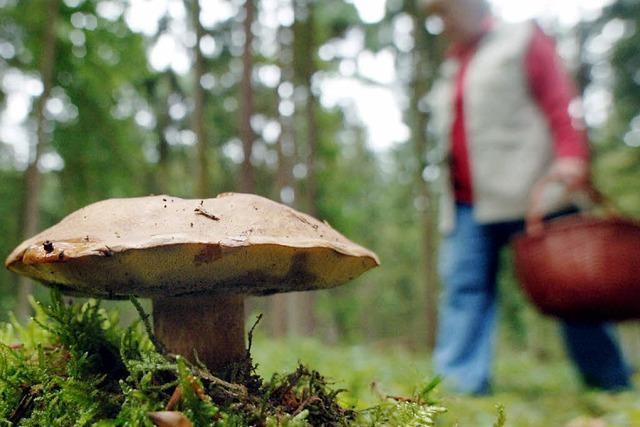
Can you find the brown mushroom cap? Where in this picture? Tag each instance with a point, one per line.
(166, 246)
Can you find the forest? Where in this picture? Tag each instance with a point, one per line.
(319, 106)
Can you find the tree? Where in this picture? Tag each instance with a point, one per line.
(203, 186)
(307, 140)
(616, 148)
(32, 185)
(426, 60)
(159, 87)
(279, 304)
(247, 183)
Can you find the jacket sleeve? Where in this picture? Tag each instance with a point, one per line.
(553, 90)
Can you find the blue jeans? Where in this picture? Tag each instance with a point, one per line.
(465, 342)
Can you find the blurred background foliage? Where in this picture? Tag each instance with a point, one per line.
(188, 107)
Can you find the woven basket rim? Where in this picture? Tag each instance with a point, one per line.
(569, 223)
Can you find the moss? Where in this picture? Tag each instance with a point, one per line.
(74, 366)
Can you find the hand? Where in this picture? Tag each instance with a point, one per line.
(571, 171)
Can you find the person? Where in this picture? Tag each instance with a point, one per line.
(501, 109)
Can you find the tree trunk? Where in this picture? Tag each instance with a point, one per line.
(305, 318)
(159, 89)
(247, 181)
(583, 69)
(279, 303)
(203, 183)
(31, 213)
(425, 63)
(313, 132)
(308, 299)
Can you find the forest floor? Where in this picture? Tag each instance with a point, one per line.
(79, 355)
(533, 393)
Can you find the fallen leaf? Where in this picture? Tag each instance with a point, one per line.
(169, 419)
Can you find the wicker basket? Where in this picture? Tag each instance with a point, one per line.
(581, 267)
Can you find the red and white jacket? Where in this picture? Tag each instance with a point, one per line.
(501, 114)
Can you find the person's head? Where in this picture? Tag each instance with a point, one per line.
(463, 19)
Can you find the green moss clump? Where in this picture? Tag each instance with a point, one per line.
(74, 366)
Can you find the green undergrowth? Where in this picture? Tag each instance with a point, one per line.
(73, 365)
(534, 390)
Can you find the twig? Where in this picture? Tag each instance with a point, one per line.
(375, 388)
(250, 335)
(197, 388)
(175, 398)
(201, 211)
(401, 399)
(24, 406)
(306, 403)
(234, 391)
(160, 348)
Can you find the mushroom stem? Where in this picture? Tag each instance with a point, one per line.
(210, 327)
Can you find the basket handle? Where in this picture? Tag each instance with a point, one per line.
(534, 218)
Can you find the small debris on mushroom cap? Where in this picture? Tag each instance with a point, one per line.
(48, 246)
(201, 211)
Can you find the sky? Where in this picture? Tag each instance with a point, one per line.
(377, 105)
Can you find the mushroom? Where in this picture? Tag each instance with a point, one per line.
(196, 259)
